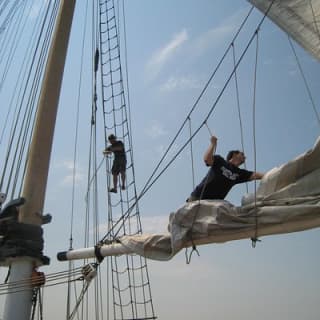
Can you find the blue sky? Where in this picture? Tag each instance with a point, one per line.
(173, 47)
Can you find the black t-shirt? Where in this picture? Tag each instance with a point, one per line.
(221, 177)
(119, 154)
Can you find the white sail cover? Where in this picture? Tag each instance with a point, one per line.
(299, 18)
(287, 200)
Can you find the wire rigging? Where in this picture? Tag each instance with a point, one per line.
(116, 114)
(52, 279)
(191, 155)
(305, 81)
(31, 88)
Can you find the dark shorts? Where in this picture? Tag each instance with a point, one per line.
(118, 166)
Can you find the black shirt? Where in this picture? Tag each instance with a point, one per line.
(119, 153)
(221, 177)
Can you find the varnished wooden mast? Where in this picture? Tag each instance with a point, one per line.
(18, 304)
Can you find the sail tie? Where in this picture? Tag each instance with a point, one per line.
(97, 252)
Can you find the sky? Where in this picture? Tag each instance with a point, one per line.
(173, 46)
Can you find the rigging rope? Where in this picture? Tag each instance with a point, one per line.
(116, 119)
(51, 280)
(254, 239)
(238, 107)
(27, 85)
(305, 82)
(75, 152)
(191, 153)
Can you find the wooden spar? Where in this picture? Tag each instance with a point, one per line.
(18, 304)
(114, 249)
(39, 157)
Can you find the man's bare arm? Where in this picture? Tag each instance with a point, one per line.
(208, 156)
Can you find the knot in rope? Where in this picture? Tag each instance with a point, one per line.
(194, 249)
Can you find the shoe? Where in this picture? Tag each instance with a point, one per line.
(123, 188)
(113, 190)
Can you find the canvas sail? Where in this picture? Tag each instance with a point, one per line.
(287, 200)
(298, 18)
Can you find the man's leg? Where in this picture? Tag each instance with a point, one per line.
(115, 182)
(123, 180)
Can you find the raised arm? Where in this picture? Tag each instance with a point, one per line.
(208, 156)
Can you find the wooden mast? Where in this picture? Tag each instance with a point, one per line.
(18, 304)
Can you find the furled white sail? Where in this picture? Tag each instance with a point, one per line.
(287, 200)
(299, 18)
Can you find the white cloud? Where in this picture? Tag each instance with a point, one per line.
(180, 83)
(268, 62)
(156, 130)
(68, 179)
(218, 34)
(161, 149)
(36, 7)
(211, 38)
(67, 164)
(163, 55)
(195, 48)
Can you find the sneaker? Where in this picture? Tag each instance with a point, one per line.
(113, 190)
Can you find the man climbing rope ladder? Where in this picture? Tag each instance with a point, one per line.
(222, 175)
(119, 162)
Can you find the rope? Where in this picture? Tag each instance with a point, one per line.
(188, 257)
(51, 280)
(79, 300)
(34, 302)
(191, 153)
(37, 299)
(238, 108)
(117, 118)
(28, 122)
(75, 147)
(75, 152)
(255, 238)
(208, 129)
(14, 37)
(305, 82)
(35, 68)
